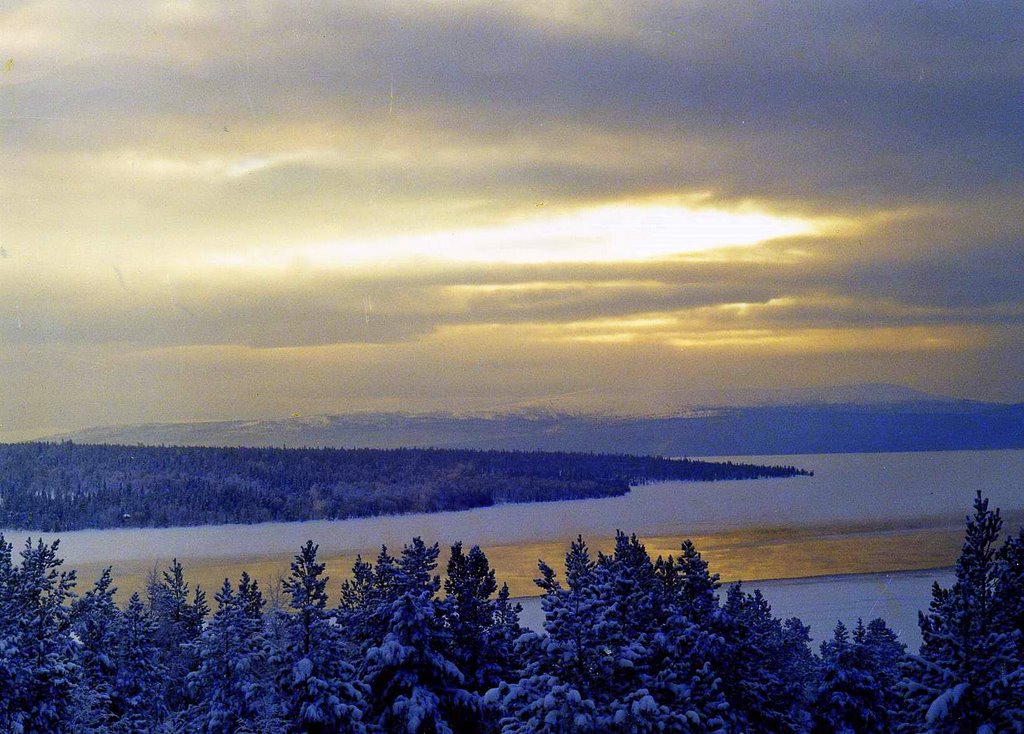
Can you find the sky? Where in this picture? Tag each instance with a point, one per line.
(260, 209)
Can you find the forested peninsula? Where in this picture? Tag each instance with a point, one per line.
(69, 486)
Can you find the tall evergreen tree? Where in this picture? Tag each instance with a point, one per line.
(96, 622)
(967, 677)
(227, 685)
(698, 587)
(849, 698)
(480, 624)
(414, 686)
(620, 653)
(416, 566)
(178, 625)
(1010, 591)
(37, 662)
(762, 667)
(318, 687)
(139, 697)
(553, 693)
(364, 609)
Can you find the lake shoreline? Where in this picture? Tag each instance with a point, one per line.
(859, 514)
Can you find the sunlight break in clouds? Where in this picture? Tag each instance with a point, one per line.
(607, 233)
(223, 211)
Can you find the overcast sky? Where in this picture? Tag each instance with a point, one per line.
(263, 209)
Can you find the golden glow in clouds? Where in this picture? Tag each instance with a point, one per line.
(608, 233)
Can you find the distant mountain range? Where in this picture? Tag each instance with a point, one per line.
(862, 418)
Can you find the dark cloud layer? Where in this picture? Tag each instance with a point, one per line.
(155, 152)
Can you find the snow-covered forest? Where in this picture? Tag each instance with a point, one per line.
(630, 644)
(58, 487)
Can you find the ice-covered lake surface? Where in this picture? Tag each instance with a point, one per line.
(821, 601)
(901, 489)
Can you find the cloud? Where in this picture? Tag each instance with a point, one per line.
(373, 182)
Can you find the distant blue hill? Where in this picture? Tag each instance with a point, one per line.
(811, 427)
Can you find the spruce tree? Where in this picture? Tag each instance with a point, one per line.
(480, 624)
(139, 691)
(621, 654)
(364, 608)
(761, 668)
(227, 685)
(415, 571)
(698, 587)
(414, 686)
(482, 629)
(1010, 591)
(179, 622)
(553, 694)
(38, 670)
(317, 686)
(967, 677)
(95, 620)
(849, 698)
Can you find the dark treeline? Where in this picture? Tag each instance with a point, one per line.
(68, 486)
(630, 644)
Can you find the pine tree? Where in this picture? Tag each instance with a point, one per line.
(139, 690)
(482, 629)
(620, 653)
(553, 693)
(37, 661)
(500, 637)
(698, 587)
(967, 677)
(178, 625)
(1010, 591)
(849, 698)
(761, 668)
(414, 686)
(888, 656)
(472, 614)
(95, 620)
(364, 608)
(227, 685)
(885, 646)
(317, 686)
(416, 566)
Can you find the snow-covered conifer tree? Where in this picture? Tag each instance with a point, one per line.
(482, 628)
(95, 621)
(698, 587)
(318, 690)
(762, 667)
(553, 693)
(620, 653)
(364, 609)
(849, 698)
(1010, 591)
(472, 614)
(227, 687)
(416, 566)
(967, 677)
(414, 686)
(38, 672)
(139, 700)
(178, 624)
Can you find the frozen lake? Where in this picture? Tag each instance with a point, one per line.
(871, 500)
(910, 489)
